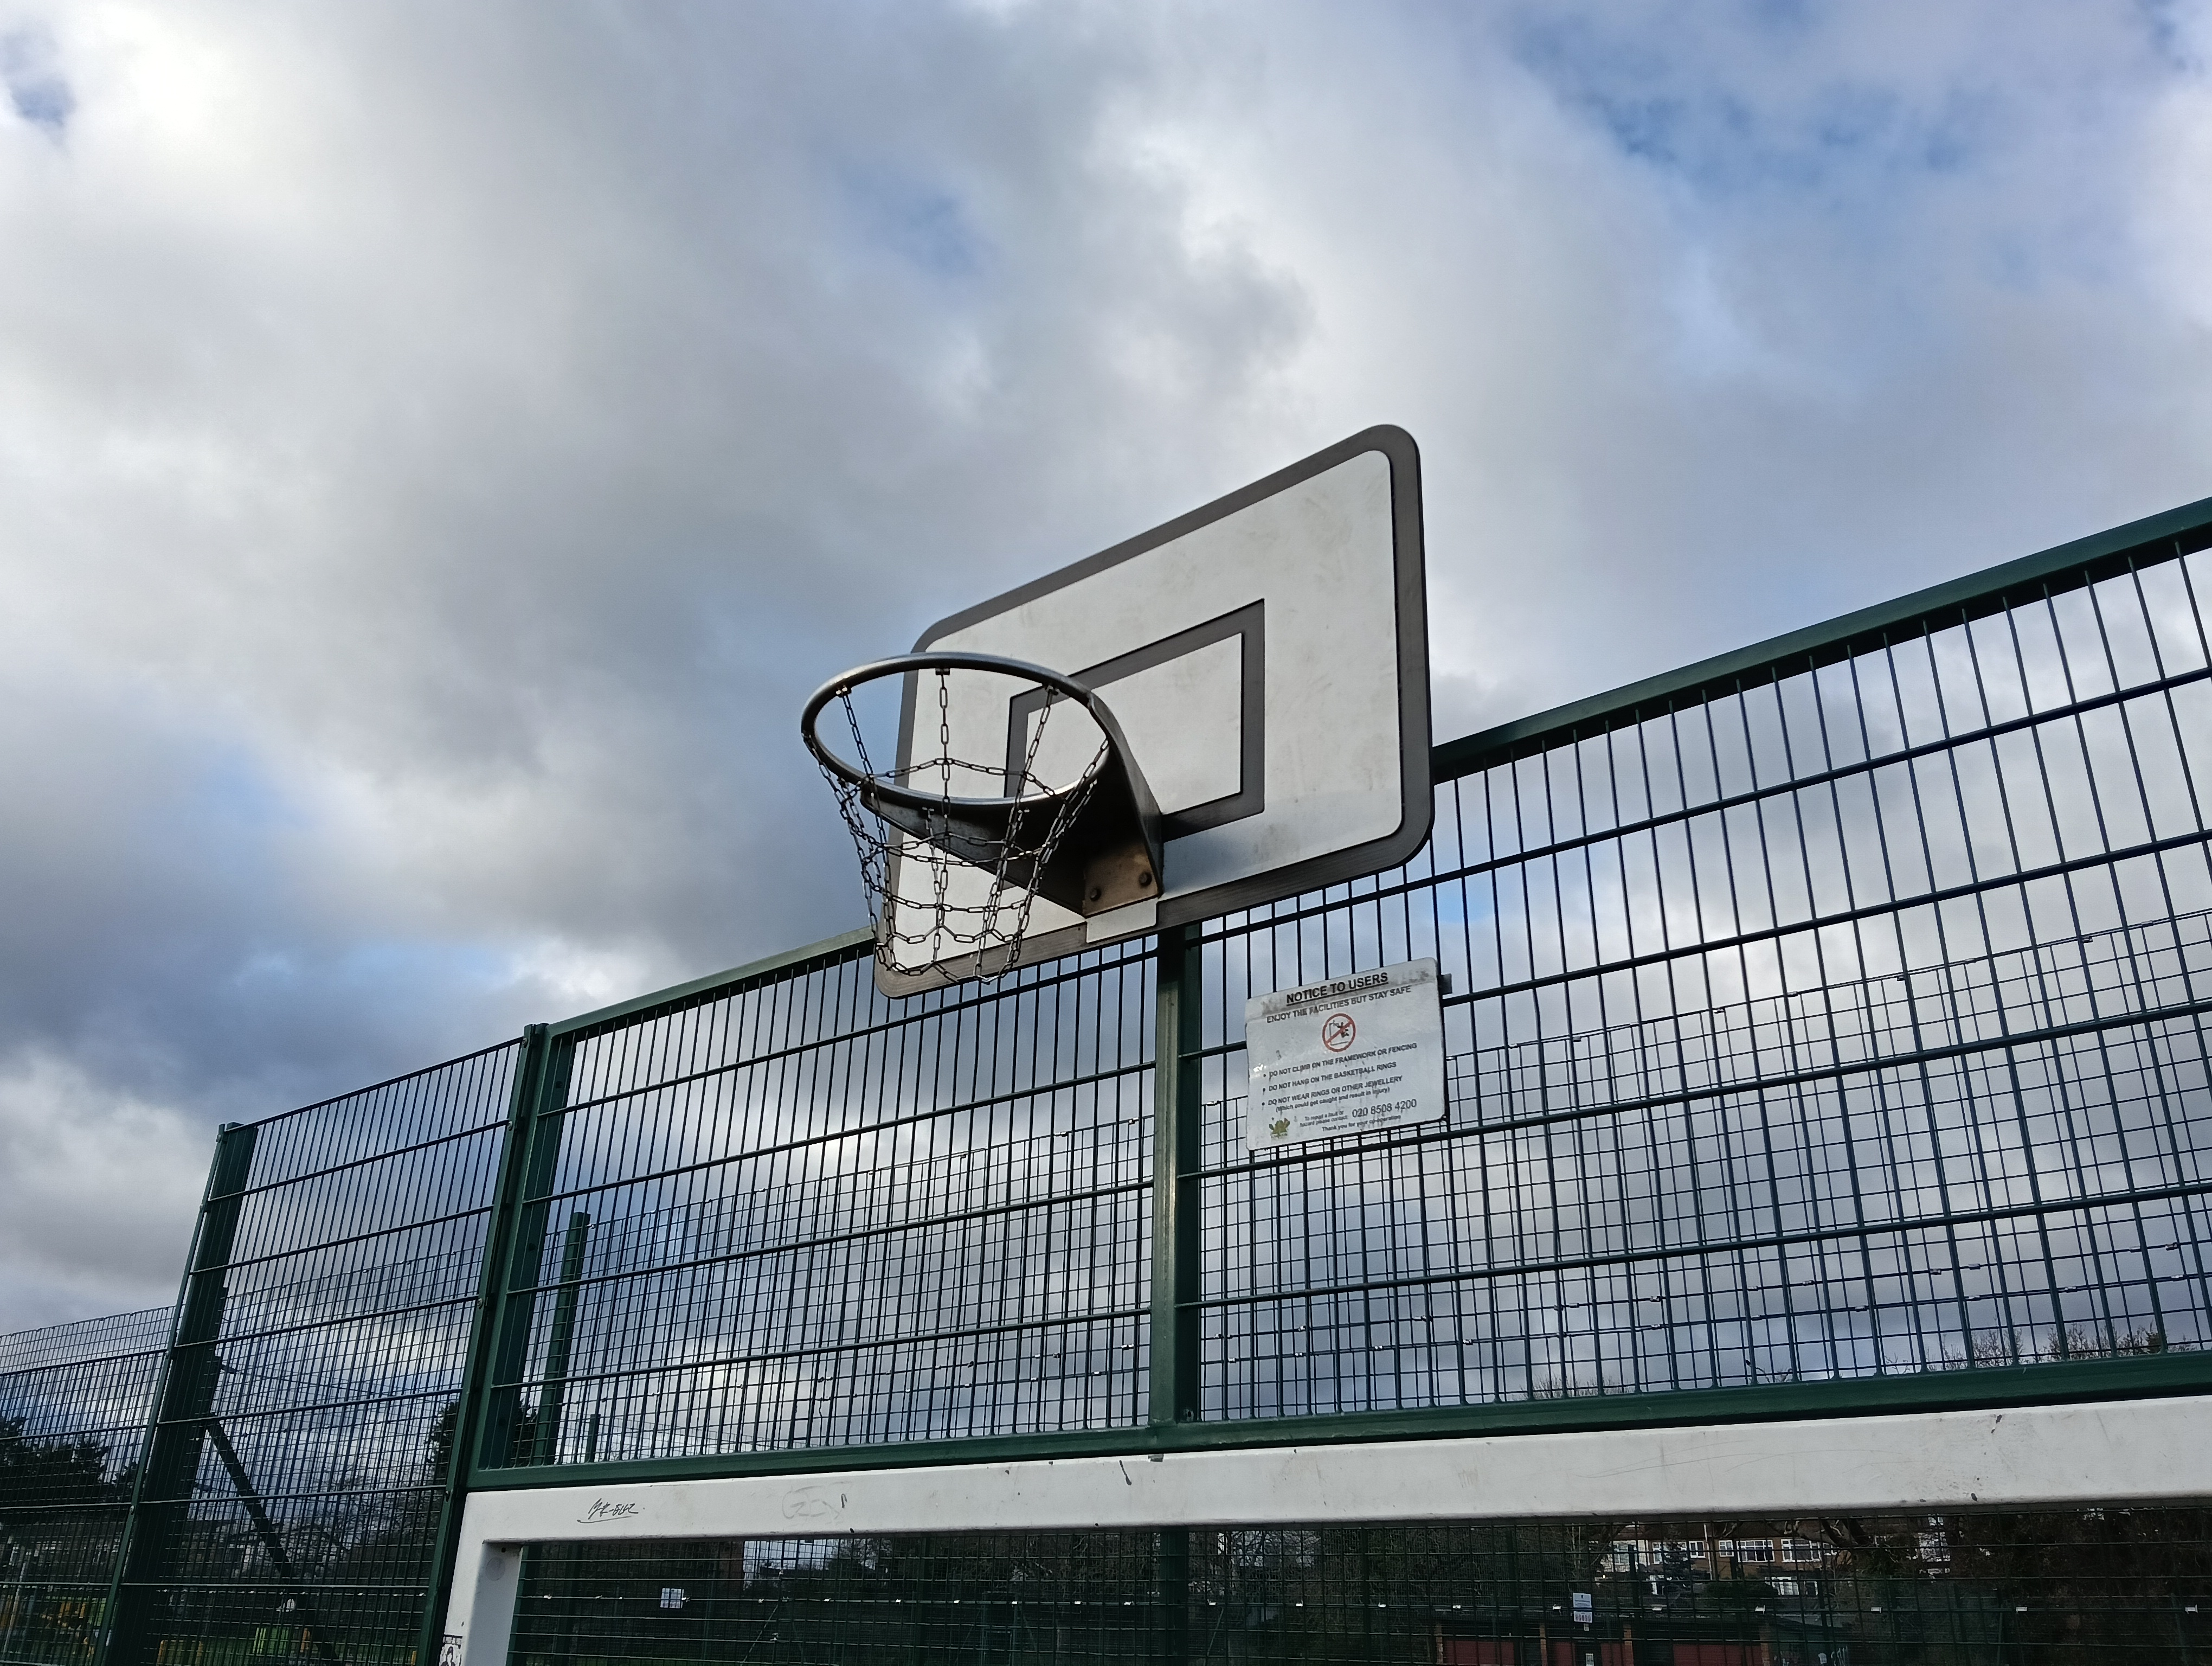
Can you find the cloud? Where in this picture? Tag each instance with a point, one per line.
(98, 1183)
(439, 450)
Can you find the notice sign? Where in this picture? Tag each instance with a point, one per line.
(1356, 1053)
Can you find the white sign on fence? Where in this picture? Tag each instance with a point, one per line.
(1365, 1051)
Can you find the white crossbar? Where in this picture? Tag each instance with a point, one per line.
(2110, 1452)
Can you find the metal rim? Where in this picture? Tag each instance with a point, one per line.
(900, 664)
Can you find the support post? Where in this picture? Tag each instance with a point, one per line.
(553, 1393)
(183, 1405)
(499, 1391)
(532, 1074)
(1174, 1397)
(483, 1597)
(1171, 1595)
(1175, 1292)
(272, 1541)
(547, 1447)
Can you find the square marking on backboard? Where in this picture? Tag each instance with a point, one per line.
(1193, 707)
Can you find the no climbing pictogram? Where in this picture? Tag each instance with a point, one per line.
(1337, 1031)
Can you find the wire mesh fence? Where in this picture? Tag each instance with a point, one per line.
(1976, 1590)
(798, 1213)
(298, 1462)
(74, 1400)
(1845, 1018)
(1839, 1017)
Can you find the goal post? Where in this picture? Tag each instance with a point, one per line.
(2114, 1452)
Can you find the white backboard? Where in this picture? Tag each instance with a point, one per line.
(1267, 656)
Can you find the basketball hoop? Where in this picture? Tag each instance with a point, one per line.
(991, 836)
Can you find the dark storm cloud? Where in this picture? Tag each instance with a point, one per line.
(439, 450)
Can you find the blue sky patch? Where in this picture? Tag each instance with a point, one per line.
(1702, 116)
(924, 224)
(34, 82)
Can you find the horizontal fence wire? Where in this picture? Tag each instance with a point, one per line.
(314, 1472)
(73, 1401)
(801, 1214)
(1843, 1021)
(1957, 1589)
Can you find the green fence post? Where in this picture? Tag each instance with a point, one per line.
(499, 1391)
(551, 1399)
(1172, 1595)
(161, 1503)
(1177, 1036)
(534, 1079)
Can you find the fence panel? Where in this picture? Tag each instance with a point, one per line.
(1843, 1020)
(795, 1214)
(74, 1400)
(299, 1461)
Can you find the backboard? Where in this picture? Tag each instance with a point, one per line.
(1266, 658)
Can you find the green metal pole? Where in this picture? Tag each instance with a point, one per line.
(531, 1073)
(161, 1504)
(1174, 1398)
(551, 1397)
(1176, 1037)
(1172, 1595)
(500, 1391)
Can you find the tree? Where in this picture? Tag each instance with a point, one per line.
(42, 1482)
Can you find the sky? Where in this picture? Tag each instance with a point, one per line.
(441, 446)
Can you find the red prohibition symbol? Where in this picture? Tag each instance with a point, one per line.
(1337, 1031)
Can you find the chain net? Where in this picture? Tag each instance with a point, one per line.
(978, 917)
